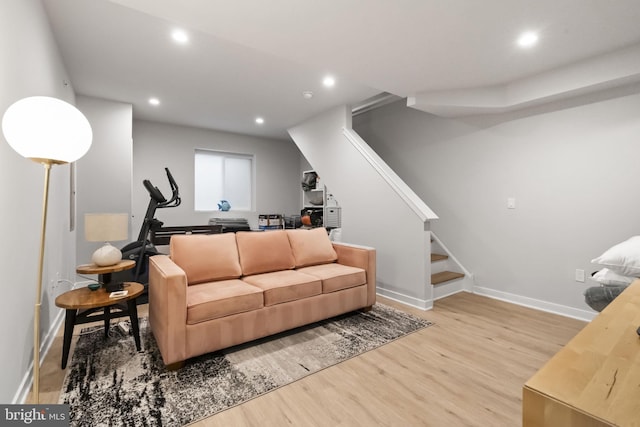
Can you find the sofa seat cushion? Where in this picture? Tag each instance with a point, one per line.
(336, 277)
(285, 286)
(206, 257)
(212, 300)
(311, 247)
(263, 252)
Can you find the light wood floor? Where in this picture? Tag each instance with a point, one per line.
(466, 370)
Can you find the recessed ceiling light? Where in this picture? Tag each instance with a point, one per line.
(329, 81)
(154, 101)
(180, 36)
(528, 39)
(259, 120)
(307, 94)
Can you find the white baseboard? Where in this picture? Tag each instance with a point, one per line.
(549, 307)
(448, 293)
(405, 299)
(443, 290)
(25, 385)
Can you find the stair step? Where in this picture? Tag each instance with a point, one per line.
(445, 276)
(438, 257)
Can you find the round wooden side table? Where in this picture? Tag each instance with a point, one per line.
(104, 273)
(82, 304)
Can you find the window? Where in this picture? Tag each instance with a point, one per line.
(223, 176)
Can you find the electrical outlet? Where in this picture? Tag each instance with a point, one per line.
(579, 275)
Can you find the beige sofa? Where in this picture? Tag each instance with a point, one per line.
(216, 291)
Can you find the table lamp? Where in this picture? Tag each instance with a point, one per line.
(106, 227)
(51, 132)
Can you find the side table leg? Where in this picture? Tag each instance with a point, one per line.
(107, 320)
(133, 315)
(69, 323)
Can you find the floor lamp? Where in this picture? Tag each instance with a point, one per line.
(51, 132)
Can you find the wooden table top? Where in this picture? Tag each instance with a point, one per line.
(84, 298)
(598, 371)
(125, 264)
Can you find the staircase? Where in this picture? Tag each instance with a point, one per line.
(447, 275)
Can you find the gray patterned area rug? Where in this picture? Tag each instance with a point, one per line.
(109, 383)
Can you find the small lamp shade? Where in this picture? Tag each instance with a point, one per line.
(41, 127)
(106, 228)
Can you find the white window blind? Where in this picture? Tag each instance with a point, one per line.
(223, 176)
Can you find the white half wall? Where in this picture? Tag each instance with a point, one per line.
(157, 145)
(372, 213)
(31, 65)
(571, 168)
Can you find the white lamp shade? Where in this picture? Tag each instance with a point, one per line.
(41, 127)
(106, 227)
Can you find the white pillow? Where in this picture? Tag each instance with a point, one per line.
(609, 278)
(623, 258)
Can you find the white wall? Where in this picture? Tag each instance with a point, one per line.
(572, 168)
(372, 213)
(31, 65)
(104, 175)
(156, 146)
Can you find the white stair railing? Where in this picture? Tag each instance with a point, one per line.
(399, 186)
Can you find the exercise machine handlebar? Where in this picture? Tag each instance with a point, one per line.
(175, 194)
(157, 196)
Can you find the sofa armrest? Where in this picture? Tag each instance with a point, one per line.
(168, 307)
(363, 257)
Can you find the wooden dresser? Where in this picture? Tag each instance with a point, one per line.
(595, 379)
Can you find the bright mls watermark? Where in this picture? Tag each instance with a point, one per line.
(34, 415)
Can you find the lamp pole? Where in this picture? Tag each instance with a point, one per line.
(47, 163)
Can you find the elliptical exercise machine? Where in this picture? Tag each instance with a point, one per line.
(141, 249)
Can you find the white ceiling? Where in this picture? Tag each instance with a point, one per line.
(250, 58)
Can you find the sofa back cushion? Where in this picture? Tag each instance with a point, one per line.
(311, 247)
(263, 252)
(206, 257)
